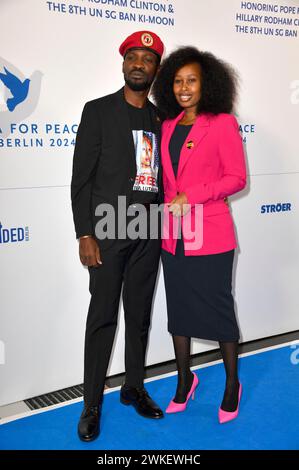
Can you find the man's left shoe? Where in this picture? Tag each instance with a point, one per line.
(142, 402)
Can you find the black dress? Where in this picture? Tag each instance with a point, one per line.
(198, 288)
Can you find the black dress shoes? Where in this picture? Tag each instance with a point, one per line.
(89, 424)
(142, 402)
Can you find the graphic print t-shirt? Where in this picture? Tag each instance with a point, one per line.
(145, 189)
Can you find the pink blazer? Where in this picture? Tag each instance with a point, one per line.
(211, 167)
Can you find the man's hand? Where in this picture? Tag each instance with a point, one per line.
(89, 252)
(176, 205)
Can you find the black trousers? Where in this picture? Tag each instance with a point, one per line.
(133, 265)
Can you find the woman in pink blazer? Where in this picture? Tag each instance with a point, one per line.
(203, 163)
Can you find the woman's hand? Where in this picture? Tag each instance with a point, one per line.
(176, 205)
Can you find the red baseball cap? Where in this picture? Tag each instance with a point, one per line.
(142, 40)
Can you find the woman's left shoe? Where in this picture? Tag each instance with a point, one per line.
(225, 416)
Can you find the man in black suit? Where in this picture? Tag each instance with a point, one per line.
(117, 154)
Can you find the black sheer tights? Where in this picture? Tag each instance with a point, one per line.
(229, 351)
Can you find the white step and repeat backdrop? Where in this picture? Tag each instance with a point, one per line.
(55, 56)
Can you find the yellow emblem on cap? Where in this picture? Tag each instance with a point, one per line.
(147, 40)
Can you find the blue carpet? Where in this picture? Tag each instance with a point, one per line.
(268, 418)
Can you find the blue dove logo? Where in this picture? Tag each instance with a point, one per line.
(18, 89)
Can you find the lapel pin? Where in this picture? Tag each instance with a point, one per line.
(190, 144)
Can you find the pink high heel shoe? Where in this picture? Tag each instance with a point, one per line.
(225, 416)
(174, 407)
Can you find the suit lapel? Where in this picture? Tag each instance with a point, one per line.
(167, 163)
(156, 120)
(123, 126)
(198, 131)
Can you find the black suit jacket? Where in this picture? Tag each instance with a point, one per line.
(104, 164)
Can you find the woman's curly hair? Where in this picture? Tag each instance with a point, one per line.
(219, 82)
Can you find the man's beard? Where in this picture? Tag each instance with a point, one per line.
(138, 86)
